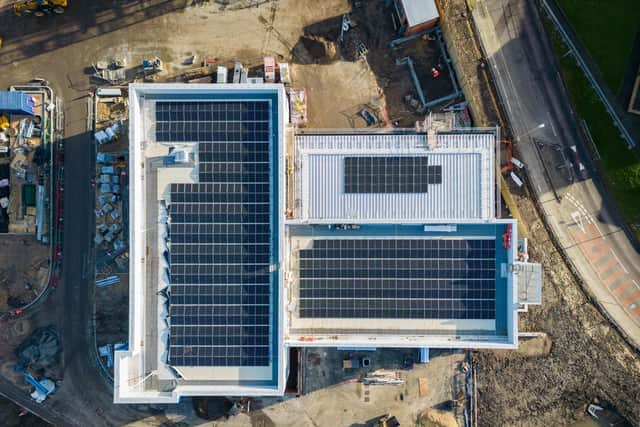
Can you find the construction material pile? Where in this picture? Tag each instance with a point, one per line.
(40, 350)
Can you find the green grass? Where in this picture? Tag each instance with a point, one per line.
(620, 166)
(608, 29)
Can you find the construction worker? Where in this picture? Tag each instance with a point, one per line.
(435, 73)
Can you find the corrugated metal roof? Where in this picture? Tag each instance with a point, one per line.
(466, 191)
(419, 11)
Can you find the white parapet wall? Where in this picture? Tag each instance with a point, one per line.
(142, 377)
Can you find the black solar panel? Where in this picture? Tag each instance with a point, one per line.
(212, 121)
(220, 234)
(401, 174)
(398, 278)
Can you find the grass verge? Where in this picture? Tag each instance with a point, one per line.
(608, 30)
(619, 165)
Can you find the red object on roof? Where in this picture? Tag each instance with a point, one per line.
(506, 237)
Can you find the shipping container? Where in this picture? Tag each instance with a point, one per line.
(17, 103)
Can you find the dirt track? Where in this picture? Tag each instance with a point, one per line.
(588, 358)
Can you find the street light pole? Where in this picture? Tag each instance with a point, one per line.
(540, 126)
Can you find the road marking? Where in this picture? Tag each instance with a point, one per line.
(626, 294)
(577, 219)
(620, 290)
(581, 208)
(601, 266)
(621, 264)
(553, 128)
(615, 275)
(618, 282)
(628, 300)
(600, 261)
(597, 248)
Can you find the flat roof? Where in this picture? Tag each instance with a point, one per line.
(206, 220)
(419, 11)
(399, 281)
(387, 177)
(222, 232)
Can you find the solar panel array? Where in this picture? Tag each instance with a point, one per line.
(400, 174)
(398, 278)
(212, 121)
(220, 234)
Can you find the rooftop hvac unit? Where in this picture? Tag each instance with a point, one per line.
(221, 76)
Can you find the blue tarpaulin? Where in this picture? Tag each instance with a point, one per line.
(18, 103)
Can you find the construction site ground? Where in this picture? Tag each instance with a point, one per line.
(112, 302)
(588, 359)
(371, 27)
(340, 401)
(24, 268)
(323, 367)
(337, 90)
(112, 314)
(22, 218)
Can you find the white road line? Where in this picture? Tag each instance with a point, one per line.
(553, 128)
(585, 212)
(599, 231)
(577, 220)
(619, 262)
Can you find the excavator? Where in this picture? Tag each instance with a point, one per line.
(39, 7)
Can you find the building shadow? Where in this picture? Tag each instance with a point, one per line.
(28, 36)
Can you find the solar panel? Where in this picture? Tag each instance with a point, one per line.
(398, 278)
(220, 232)
(400, 174)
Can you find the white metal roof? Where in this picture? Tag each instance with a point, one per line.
(419, 11)
(467, 191)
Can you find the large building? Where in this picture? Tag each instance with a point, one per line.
(247, 239)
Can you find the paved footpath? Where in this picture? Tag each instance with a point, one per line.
(574, 202)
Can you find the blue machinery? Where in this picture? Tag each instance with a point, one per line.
(39, 387)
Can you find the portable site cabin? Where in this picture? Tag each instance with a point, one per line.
(414, 16)
(17, 103)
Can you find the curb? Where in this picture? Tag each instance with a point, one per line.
(539, 210)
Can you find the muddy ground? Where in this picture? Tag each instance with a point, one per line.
(372, 29)
(589, 358)
(9, 416)
(112, 312)
(24, 267)
(350, 403)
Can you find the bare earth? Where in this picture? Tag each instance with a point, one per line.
(588, 358)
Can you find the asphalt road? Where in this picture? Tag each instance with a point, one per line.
(84, 397)
(627, 122)
(579, 211)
